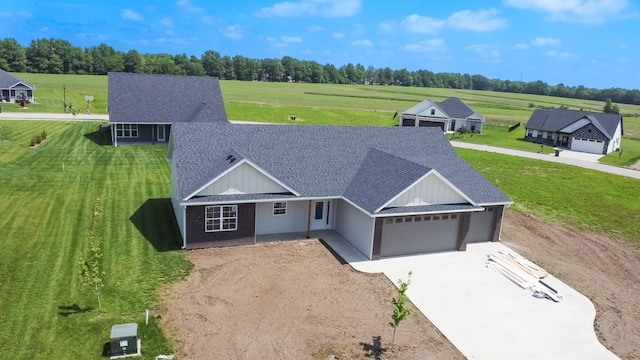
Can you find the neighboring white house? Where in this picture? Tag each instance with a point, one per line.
(388, 191)
(591, 132)
(449, 115)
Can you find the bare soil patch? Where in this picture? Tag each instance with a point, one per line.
(290, 300)
(295, 300)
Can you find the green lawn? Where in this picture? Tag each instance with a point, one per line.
(565, 195)
(629, 154)
(122, 195)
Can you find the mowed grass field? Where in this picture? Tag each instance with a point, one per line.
(119, 194)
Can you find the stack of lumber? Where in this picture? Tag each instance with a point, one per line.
(523, 273)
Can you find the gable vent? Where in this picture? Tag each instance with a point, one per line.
(231, 159)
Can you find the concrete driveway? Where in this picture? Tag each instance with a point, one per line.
(482, 313)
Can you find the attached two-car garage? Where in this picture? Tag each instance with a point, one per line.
(587, 145)
(434, 233)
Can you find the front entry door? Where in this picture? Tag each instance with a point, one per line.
(161, 133)
(321, 215)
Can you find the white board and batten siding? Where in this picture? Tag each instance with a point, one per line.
(430, 190)
(355, 226)
(575, 126)
(294, 220)
(614, 144)
(244, 179)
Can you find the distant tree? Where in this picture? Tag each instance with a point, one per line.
(132, 62)
(611, 108)
(13, 55)
(400, 311)
(212, 63)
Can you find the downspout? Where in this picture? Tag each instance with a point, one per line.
(309, 220)
(184, 227)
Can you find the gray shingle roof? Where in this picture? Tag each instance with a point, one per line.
(453, 107)
(367, 165)
(153, 98)
(557, 119)
(7, 80)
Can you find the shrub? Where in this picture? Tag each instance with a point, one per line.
(43, 135)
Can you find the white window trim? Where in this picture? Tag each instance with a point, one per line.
(283, 208)
(221, 218)
(127, 130)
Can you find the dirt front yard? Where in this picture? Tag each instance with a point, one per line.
(295, 300)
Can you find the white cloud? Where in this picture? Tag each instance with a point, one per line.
(166, 22)
(337, 35)
(387, 25)
(315, 28)
(521, 46)
(560, 54)
(363, 43)
(209, 20)
(427, 46)
(421, 24)
(129, 14)
(482, 20)
(484, 50)
(233, 32)
(323, 8)
(186, 5)
(545, 41)
(583, 11)
(291, 39)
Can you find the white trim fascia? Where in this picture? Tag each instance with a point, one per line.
(496, 203)
(427, 213)
(23, 84)
(258, 201)
(434, 171)
(243, 161)
(140, 123)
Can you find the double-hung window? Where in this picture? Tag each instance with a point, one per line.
(221, 218)
(279, 208)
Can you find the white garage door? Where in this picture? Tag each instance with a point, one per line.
(585, 145)
(419, 234)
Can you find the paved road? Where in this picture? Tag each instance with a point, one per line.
(52, 116)
(547, 157)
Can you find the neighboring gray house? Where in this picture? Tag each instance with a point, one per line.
(142, 107)
(14, 89)
(591, 132)
(449, 115)
(388, 191)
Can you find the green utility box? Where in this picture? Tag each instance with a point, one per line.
(124, 339)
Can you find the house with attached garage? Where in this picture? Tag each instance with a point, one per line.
(143, 107)
(449, 115)
(591, 132)
(13, 89)
(387, 191)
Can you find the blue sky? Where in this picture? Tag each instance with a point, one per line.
(576, 42)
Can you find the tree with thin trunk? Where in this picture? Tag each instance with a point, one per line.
(400, 311)
(90, 271)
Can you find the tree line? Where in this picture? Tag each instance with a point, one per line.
(56, 56)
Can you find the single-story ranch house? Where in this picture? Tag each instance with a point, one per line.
(388, 191)
(14, 89)
(449, 115)
(591, 132)
(142, 107)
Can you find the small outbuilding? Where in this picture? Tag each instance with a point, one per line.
(124, 340)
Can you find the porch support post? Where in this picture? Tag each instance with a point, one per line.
(309, 220)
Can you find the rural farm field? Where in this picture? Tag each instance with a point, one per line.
(280, 300)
